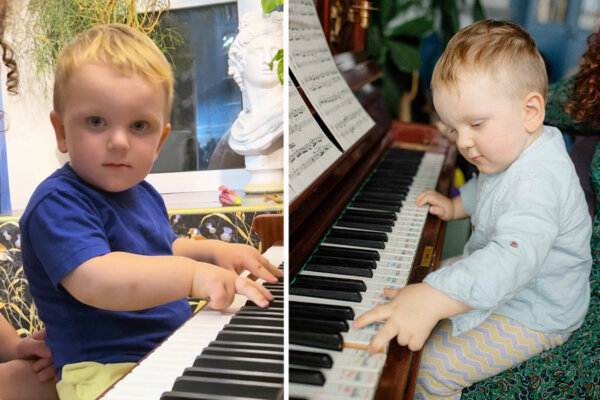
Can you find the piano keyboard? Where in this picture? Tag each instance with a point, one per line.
(232, 354)
(371, 246)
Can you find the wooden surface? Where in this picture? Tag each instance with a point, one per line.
(269, 228)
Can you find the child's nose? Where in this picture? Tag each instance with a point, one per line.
(118, 140)
(464, 140)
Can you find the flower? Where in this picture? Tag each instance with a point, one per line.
(211, 228)
(229, 197)
(226, 235)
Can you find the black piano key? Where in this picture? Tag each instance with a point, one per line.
(241, 320)
(340, 270)
(238, 375)
(386, 215)
(343, 262)
(306, 376)
(371, 226)
(354, 234)
(371, 244)
(375, 206)
(354, 296)
(317, 325)
(310, 359)
(216, 351)
(334, 251)
(321, 311)
(275, 304)
(254, 313)
(250, 337)
(227, 387)
(329, 341)
(319, 282)
(237, 363)
(380, 188)
(245, 345)
(176, 395)
(249, 328)
(378, 201)
(401, 195)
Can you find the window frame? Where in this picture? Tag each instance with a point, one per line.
(198, 181)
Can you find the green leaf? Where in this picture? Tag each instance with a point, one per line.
(386, 12)
(449, 24)
(278, 58)
(270, 5)
(280, 71)
(478, 12)
(415, 25)
(406, 58)
(374, 42)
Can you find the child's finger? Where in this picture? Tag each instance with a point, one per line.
(385, 334)
(378, 313)
(266, 272)
(221, 296)
(253, 291)
(390, 293)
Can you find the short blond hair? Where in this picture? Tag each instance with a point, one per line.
(116, 45)
(501, 48)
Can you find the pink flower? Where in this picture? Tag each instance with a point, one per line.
(229, 197)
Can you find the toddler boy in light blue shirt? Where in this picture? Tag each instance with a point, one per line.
(522, 285)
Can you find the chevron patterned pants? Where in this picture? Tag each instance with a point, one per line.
(451, 363)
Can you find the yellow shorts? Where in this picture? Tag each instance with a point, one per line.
(88, 380)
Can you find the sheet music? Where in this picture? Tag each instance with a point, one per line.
(310, 151)
(313, 65)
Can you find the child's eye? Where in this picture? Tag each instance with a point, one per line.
(139, 125)
(476, 124)
(95, 121)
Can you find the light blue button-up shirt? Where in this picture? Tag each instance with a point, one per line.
(528, 257)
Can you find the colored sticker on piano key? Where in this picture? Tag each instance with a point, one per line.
(393, 268)
(401, 245)
(396, 263)
(332, 391)
(396, 256)
(352, 376)
(390, 281)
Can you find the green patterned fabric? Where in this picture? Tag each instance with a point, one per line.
(558, 94)
(570, 371)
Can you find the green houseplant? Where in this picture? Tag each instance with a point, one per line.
(59, 21)
(395, 38)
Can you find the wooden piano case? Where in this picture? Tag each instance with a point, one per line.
(317, 208)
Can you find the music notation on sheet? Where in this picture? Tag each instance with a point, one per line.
(310, 151)
(313, 65)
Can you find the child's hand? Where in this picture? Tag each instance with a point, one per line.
(33, 347)
(221, 286)
(411, 315)
(440, 205)
(238, 257)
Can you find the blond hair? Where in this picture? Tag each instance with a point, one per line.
(500, 48)
(117, 45)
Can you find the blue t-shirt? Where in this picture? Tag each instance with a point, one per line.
(68, 222)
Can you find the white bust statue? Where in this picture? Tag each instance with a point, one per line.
(257, 133)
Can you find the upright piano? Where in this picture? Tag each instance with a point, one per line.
(353, 231)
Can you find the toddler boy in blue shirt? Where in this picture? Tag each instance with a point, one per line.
(107, 273)
(522, 285)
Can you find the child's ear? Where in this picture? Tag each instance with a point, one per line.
(163, 137)
(535, 111)
(59, 131)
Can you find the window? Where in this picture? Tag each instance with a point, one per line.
(206, 102)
